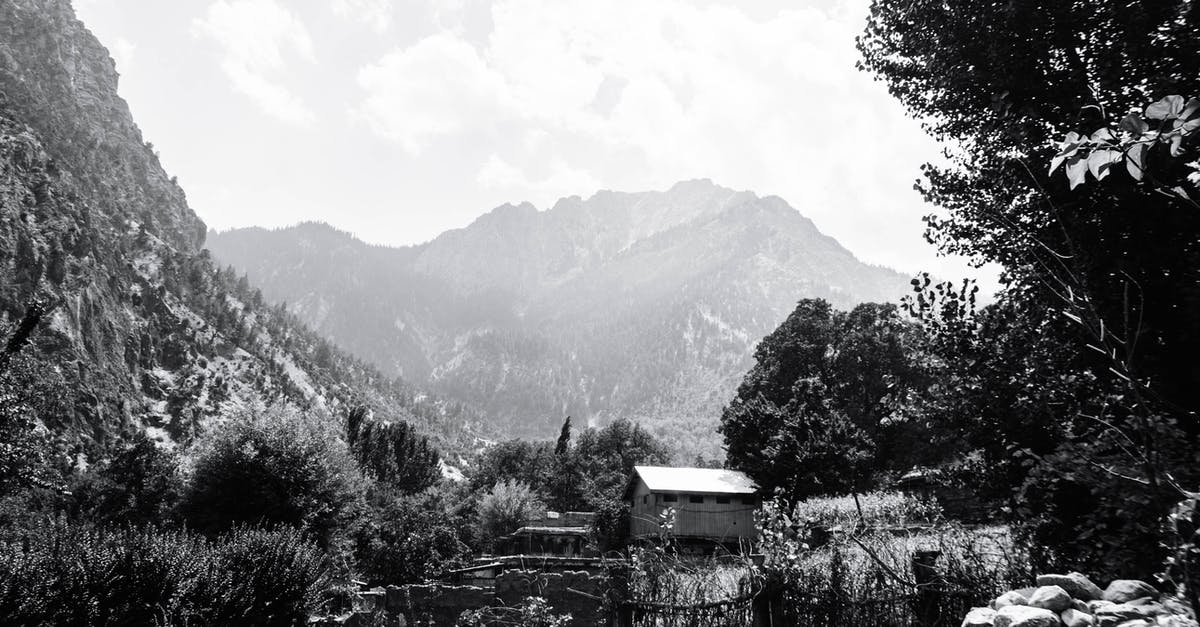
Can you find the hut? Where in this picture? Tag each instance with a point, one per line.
(699, 508)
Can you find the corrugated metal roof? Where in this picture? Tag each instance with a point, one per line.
(695, 480)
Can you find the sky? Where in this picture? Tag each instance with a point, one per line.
(398, 120)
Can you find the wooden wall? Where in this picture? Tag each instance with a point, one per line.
(708, 519)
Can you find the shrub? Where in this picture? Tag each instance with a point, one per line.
(532, 612)
(75, 574)
(409, 539)
(275, 467)
(504, 509)
(879, 509)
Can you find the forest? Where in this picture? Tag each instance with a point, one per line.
(1066, 406)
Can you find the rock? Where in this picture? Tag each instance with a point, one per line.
(1013, 597)
(1025, 616)
(1081, 606)
(1052, 598)
(1117, 613)
(1097, 604)
(1124, 590)
(1074, 618)
(980, 617)
(1076, 584)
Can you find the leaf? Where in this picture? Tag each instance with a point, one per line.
(1177, 145)
(1190, 109)
(1077, 170)
(1168, 107)
(1135, 160)
(1056, 161)
(1102, 135)
(1100, 162)
(1181, 192)
(1190, 125)
(1134, 124)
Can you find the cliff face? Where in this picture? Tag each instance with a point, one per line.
(57, 78)
(146, 331)
(639, 305)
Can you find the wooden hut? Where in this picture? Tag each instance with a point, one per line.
(697, 507)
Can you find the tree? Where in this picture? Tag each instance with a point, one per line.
(393, 452)
(504, 509)
(274, 466)
(140, 486)
(1108, 273)
(410, 539)
(563, 446)
(820, 409)
(605, 458)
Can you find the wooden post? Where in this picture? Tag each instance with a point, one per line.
(766, 608)
(924, 566)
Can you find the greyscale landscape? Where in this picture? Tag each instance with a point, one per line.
(551, 313)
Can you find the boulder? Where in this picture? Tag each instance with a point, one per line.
(1025, 616)
(1117, 613)
(1081, 606)
(1074, 618)
(1124, 590)
(1076, 584)
(980, 617)
(1097, 604)
(1052, 598)
(1013, 597)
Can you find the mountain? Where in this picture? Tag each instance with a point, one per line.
(641, 305)
(145, 331)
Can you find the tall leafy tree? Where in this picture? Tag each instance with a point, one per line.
(1098, 318)
(820, 410)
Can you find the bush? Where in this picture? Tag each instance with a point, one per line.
(410, 539)
(879, 509)
(275, 467)
(61, 573)
(504, 509)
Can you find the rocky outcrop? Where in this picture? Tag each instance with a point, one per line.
(145, 333)
(1074, 600)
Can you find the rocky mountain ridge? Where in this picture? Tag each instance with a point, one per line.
(640, 305)
(146, 332)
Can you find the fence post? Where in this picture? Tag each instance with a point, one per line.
(766, 608)
(925, 575)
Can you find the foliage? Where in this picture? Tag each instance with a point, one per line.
(532, 612)
(75, 574)
(274, 466)
(393, 452)
(819, 412)
(873, 509)
(410, 538)
(1078, 386)
(1168, 125)
(872, 570)
(139, 486)
(504, 509)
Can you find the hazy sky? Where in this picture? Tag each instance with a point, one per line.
(399, 120)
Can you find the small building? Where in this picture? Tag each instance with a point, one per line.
(711, 507)
(565, 534)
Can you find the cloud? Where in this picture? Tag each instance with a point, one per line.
(376, 14)
(641, 93)
(439, 86)
(122, 52)
(256, 38)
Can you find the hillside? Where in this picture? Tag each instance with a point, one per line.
(146, 332)
(640, 305)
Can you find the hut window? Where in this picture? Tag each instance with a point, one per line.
(644, 497)
(670, 498)
(722, 500)
(695, 498)
(748, 500)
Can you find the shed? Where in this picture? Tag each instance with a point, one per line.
(710, 505)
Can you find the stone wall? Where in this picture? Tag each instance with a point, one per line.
(578, 592)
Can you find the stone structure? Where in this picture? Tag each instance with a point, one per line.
(579, 593)
(1072, 600)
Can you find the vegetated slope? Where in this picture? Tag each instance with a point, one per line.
(640, 305)
(146, 332)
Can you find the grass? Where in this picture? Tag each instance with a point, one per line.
(879, 509)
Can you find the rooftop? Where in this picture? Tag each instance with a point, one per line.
(695, 480)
